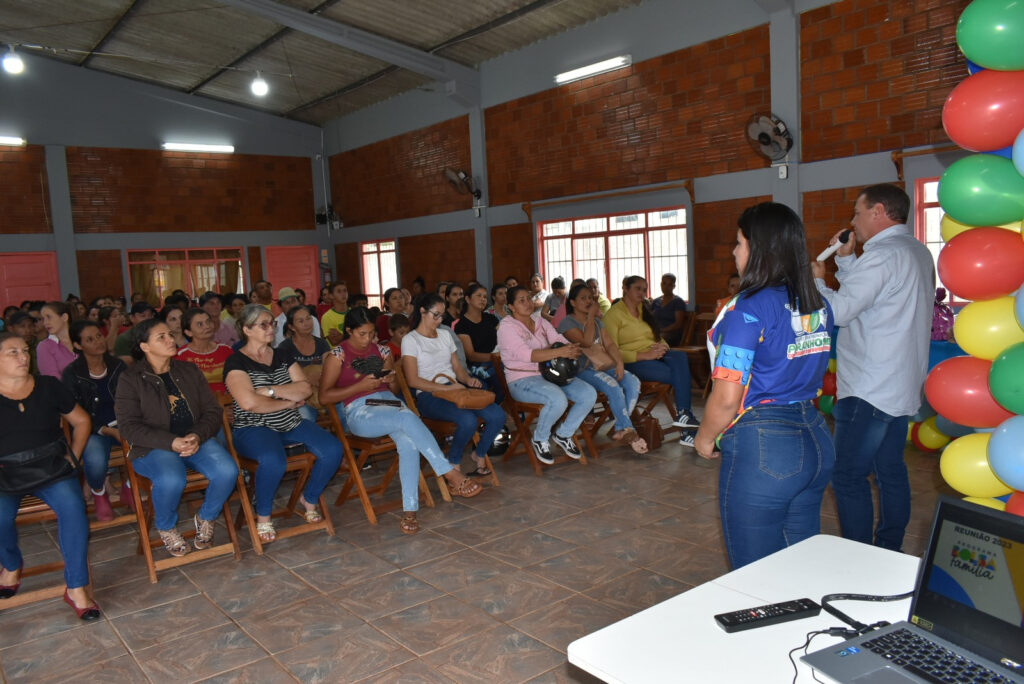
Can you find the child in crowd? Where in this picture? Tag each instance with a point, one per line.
(400, 326)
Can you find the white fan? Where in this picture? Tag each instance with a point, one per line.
(768, 136)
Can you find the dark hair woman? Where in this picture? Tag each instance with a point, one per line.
(478, 331)
(453, 296)
(771, 350)
(301, 346)
(31, 409)
(202, 349)
(171, 315)
(111, 320)
(55, 352)
(499, 307)
(92, 378)
(635, 332)
(394, 303)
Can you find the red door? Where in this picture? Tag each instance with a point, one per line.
(28, 275)
(294, 267)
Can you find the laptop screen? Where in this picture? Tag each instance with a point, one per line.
(971, 587)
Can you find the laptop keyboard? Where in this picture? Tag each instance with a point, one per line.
(931, 662)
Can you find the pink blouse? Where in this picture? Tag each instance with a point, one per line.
(516, 343)
(52, 357)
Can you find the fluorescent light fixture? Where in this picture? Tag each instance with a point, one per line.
(197, 147)
(594, 69)
(259, 86)
(12, 62)
(12, 141)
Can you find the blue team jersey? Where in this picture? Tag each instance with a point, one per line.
(779, 355)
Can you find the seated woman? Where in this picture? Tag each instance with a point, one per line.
(92, 378)
(358, 370)
(171, 315)
(478, 332)
(55, 352)
(111, 320)
(425, 354)
(538, 295)
(453, 296)
(499, 301)
(604, 371)
(635, 332)
(524, 342)
(670, 311)
(224, 331)
(168, 415)
(394, 303)
(202, 350)
(30, 412)
(301, 346)
(268, 392)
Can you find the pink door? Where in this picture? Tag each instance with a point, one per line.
(294, 267)
(28, 275)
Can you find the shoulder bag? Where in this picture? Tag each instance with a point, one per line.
(32, 469)
(463, 397)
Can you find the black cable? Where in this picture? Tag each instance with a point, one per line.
(805, 646)
(858, 626)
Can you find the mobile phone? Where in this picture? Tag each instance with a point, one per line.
(394, 403)
(112, 423)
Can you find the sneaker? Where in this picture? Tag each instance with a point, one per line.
(568, 446)
(686, 420)
(687, 440)
(542, 451)
(204, 533)
(101, 505)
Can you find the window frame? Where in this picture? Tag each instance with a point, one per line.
(192, 288)
(921, 230)
(377, 299)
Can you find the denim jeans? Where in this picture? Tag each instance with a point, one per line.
(870, 441)
(411, 438)
(672, 369)
(95, 458)
(776, 461)
(555, 399)
(166, 470)
(266, 446)
(65, 498)
(466, 422)
(622, 394)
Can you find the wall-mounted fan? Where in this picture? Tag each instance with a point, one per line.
(768, 136)
(462, 182)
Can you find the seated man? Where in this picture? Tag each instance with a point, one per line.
(288, 299)
(140, 311)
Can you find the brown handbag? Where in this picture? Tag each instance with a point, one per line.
(463, 397)
(649, 428)
(599, 357)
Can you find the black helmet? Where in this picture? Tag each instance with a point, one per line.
(560, 370)
(500, 444)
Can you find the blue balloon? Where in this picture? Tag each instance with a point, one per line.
(948, 427)
(973, 68)
(1005, 456)
(1005, 152)
(1018, 306)
(1005, 497)
(924, 413)
(1017, 155)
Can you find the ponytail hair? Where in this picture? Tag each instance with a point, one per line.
(645, 308)
(426, 301)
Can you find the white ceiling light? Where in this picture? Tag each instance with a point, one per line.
(197, 147)
(12, 141)
(594, 69)
(259, 86)
(13, 63)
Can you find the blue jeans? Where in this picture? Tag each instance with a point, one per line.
(95, 458)
(166, 470)
(555, 399)
(466, 422)
(266, 446)
(776, 461)
(622, 394)
(411, 438)
(308, 413)
(65, 498)
(870, 441)
(672, 369)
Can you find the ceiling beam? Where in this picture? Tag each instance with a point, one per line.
(461, 82)
(110, 33)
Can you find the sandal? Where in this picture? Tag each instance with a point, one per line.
(409, 524)
(311, 516)
(481, 469)
(466, 488)
(174, 542)
(266, 532)
(638, 445)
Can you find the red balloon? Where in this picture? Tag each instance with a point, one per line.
(1015, 504)
(986, 111)
(828, 384)
(958, 390)
(982, 263)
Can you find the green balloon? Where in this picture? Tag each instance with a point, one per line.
(990, 33)
(826, 402)
(1006, 378)
(982, 190)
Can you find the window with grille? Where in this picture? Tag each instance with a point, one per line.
(380, 269)
(613, 247)
(928, 222)
(158, 273)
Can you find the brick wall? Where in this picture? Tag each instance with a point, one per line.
(24, 191)
(874, 74)
(680, 115)
(346, 259)
(714, 237)
(403, 176)
(99, 273)
(120, 190)
(512, 252)
(437, 257)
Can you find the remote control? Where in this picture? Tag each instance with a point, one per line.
(762, 616)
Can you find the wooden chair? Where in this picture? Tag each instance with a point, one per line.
(656, 393)
(195, 485)
(695, 346)
(523, 415)
(440, 428)
(32, 510)
(354, 486)
(126, 515)
(301, 464)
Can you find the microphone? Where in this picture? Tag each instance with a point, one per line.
(844, 237)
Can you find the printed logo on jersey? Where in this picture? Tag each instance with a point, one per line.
(811, 331)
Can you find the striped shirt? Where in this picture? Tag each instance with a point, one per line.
(263, 376)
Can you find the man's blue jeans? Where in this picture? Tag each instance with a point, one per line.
(411, 438)
(555, 399)
(622, 394)
(466, 422)
(267, 447)
(166, 470)
(871, 441)
(65, 498)
(672, 369)
(776, 461)
(95, 458)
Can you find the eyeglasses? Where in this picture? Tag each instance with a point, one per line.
(266, 325)
(436, 314)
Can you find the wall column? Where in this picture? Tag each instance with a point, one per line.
(784, 32)
(60, 213)
(482, 225)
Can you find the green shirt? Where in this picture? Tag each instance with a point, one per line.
(332, 320)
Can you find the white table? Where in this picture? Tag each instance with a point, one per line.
(678, 640)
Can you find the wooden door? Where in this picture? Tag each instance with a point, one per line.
(295, 267)
(28, 275)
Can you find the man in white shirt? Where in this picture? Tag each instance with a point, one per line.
(288, 299)
(884, 307)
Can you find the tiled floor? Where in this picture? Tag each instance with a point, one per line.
(492, 589)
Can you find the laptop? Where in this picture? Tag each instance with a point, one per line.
(967, 615)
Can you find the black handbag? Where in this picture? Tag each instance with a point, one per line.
(33, 469)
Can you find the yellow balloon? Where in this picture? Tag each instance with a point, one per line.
(984, 329)
(964, 466)
(930, 436)
(949, 227)
(991, 503)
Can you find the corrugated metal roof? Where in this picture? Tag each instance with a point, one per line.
(214, 49)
